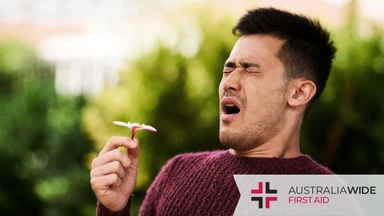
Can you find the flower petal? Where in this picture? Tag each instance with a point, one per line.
(135, 126)
(120, 123)
(147, 127)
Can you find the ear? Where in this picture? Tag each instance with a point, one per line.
(301, 92)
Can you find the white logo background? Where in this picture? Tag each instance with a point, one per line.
(338, 204)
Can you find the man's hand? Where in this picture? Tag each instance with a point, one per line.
(114, 173)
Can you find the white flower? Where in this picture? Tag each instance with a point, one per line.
(135, 127)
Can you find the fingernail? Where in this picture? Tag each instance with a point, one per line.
(133, 144)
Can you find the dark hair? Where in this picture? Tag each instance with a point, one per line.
(307, 51)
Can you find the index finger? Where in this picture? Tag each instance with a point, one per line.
(118, 141)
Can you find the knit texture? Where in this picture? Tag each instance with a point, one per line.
(203, 183)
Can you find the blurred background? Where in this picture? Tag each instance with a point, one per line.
(69, 68)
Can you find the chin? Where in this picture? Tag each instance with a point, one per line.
(237, 140)
(231, 140)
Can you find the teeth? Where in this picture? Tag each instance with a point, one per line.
(230, 105)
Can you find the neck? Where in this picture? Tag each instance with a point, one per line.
(286, 144)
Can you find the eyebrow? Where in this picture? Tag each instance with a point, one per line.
(243, 64)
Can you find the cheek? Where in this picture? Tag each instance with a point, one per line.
(221, 90)
(260, 97)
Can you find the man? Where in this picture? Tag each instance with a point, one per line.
(276, 70)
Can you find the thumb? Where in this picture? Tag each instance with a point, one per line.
(133, 151)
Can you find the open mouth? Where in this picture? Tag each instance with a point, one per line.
(230, 109)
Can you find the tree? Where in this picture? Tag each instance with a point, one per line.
(43, 146)
(344, 129)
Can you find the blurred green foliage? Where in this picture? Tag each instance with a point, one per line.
(345, 128)
(43, 147)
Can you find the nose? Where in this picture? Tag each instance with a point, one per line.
(232, 81)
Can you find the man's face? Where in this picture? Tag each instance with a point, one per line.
(252, 93)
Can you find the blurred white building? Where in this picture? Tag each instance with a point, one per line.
(88, 40)
(80, 37)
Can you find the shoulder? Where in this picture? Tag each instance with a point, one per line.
(310, 166)
(189, 160)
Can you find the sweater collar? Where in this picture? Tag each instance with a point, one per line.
(268, 165)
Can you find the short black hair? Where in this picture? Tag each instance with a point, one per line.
(307, 51)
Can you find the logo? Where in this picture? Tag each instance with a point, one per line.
(264, 199)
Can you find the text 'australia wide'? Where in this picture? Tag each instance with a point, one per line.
(332, 190)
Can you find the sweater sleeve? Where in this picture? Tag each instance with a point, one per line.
(154, 192)
(101, 210)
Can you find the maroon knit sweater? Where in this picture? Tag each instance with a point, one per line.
(203, 183)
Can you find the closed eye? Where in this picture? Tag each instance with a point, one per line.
(228, 70)
(252, 70)
(229, 67)
(248, 70)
